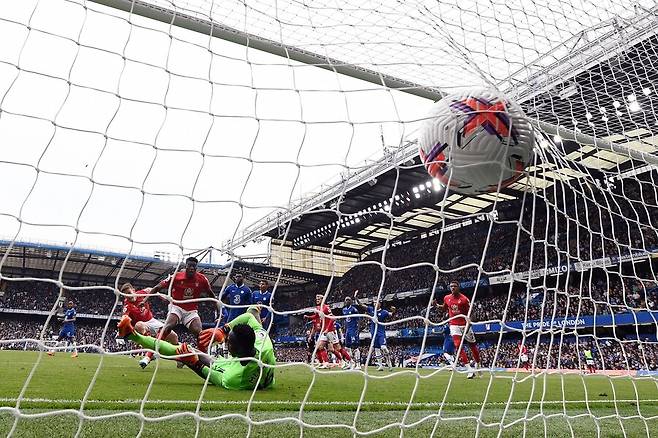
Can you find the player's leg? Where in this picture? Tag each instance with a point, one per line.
(357, 357)
(448, 350)
(469, 337)
(323, 357)
(75, 345)
(141, 328)
(172, 338)
(475, 351)
(192, 321)
(387, 355)
(333, 347)
(201, 365)
(457, 340)
(193, 324)
(352, 341)
(172, 320)
(378, 353)
(57, 344)
(153, 327)
(344, 354)
(378, 359)
(127, 331)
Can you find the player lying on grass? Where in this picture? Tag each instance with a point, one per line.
(245, 339)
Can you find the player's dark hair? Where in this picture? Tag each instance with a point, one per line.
(242, 338)
(454, 281)
(192, 259)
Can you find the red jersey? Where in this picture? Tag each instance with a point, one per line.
(140, 310)
(329, 323)
(185, 288)
(523, 349)
(458, 305)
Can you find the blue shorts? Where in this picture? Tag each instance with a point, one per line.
(67, 332)
(448, 345)
(380, 341)
(351, 339)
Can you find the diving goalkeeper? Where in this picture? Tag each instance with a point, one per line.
(245, 338)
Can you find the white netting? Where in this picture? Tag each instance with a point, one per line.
(145, 136)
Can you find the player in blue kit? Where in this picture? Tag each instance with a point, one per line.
(448, 345)
(378, 332)
(67, 333)
(352, 331)
(263, 297)
(237, 294)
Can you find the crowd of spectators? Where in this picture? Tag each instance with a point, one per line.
(87, 332)
(608, 354)
(566, 354)
(540, 235)
(586, 232)
(561, 352)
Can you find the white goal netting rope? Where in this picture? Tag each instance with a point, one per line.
(127, 132)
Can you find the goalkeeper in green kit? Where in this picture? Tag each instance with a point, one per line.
(245, 338)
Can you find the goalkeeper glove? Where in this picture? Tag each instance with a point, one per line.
(212, 335)
(189, 360)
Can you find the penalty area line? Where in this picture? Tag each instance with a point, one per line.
(321, 403)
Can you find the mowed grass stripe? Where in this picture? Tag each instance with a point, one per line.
(62, 381)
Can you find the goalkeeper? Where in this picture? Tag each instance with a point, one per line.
(245, 338)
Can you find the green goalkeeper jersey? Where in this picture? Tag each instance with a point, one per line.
(238, 374)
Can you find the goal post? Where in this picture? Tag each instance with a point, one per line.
(208, 127)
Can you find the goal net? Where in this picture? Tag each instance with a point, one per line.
(281, 137)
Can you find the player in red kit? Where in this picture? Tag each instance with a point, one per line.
(185, 285)
(328, 339)
(138, 309)
(457, 305)
(329, 336)
(523, 356)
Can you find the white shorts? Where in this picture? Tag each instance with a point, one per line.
(589, 362)
(460, 330)
(330, 337)
(185, 317)
(524, 358)
(154, 326)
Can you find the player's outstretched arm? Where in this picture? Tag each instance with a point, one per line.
(189, 358)
(248, 318)
(441, 307)
(160, 290)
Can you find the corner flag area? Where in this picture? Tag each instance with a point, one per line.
(107, 395)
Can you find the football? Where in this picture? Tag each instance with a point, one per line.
(476, 141)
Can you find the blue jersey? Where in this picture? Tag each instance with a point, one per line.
(351, 322)
(382, 315)
(264, 298)
(224, 315)
(70, 314)
(448, 343)
(237, 296)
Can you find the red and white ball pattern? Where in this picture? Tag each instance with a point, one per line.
(475, 141)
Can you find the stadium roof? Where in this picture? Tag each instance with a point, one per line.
(608, 107)
(40, 260)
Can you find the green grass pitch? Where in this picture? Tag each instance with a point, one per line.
(115, 400)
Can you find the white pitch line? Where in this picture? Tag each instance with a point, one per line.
(324, 403)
